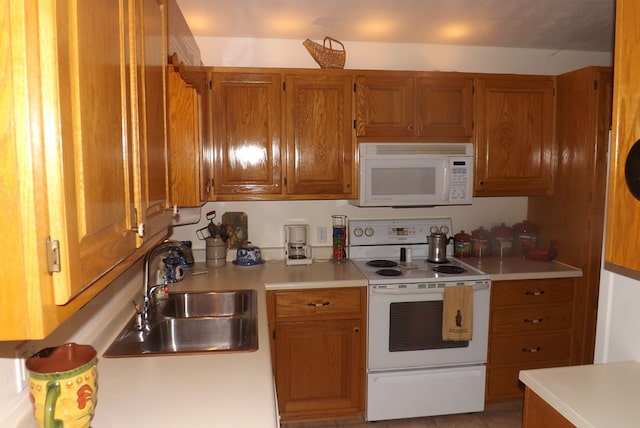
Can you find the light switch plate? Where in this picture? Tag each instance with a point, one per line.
(322, 235)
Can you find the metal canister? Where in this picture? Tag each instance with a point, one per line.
(480, 239)
(462, 244)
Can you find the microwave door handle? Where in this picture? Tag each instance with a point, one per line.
(447, 184)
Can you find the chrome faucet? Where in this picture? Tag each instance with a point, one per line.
(149, 300)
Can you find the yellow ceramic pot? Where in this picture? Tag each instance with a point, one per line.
(63, 386)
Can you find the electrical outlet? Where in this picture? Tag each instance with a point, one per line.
(322, 235)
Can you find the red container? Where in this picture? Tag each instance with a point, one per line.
(480, 240)
(462, 245)
(502, 241)
(525, 237)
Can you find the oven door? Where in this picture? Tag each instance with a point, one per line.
(405, 328)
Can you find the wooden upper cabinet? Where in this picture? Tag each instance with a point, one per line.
(437, 108)
(88, 162)
(385, 106)
(149, 55)
(445, 107)
(623, 209)
(515, 124)
(247, 134)
(184, 140)
(319, 135)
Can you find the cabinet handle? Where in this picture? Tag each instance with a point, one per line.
(139, 230)
(318, 304)
(534, 293)
(532, 350)
(534, 320)
(410, 127)
(356, 330)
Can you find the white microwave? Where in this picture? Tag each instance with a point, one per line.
(414, 174)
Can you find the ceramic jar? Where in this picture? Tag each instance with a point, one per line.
(501, 241)
(525, 237)
(462, 244)
(480, 243)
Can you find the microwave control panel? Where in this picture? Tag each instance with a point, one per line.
(461, 180)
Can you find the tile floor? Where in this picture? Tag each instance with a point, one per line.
(494, 416)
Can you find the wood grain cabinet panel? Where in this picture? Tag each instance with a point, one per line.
(247, 112)
(531, 325)
(319, 136)
(515, 119)
(623, 227)
(434, 107)
(88, 139)
(318, 351)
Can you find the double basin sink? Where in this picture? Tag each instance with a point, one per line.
(193, 322)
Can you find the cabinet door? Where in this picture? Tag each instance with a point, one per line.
(385, 106)
(89, 175)
(623, 215)
(151, 166)
(515, 136)
(318, 368)
(184, 140)
(445, 108)
(319, 135)
(247, 113)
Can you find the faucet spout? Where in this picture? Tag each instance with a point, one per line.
(167, 245)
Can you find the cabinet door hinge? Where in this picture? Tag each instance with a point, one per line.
(284, 86)
(53, 255)
(595, 85)
(354, 87)
(354, 124)
(273, 335)
(210, 85)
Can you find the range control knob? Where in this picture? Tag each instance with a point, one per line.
(357, 231)
(368, 231)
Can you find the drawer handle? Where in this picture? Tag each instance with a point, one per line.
(534, 320)
(534, 293)
(532, 350)
(356, 330)
(318, 304)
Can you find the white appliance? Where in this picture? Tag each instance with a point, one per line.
(411, 371)
(414, 174)
(297, 250)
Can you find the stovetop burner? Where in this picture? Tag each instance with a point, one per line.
(441, 262)
(382, 263)
(388, 272)
(449, 269)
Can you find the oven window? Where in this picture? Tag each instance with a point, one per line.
(415, 326)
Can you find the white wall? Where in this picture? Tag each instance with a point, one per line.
(244, 52)
(266, 218)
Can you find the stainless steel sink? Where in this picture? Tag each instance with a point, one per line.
(201, 334)
(205, 304)
(217, 321)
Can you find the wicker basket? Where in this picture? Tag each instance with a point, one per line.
(327, 57)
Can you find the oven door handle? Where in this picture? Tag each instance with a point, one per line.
(406, 291)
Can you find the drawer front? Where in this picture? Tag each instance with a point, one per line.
(532, 319)
(530, 349)
(503, 382)
(318, 302)
(532, 292)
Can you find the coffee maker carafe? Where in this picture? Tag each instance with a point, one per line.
(297, 250)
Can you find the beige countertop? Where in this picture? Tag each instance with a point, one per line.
(521, 268)
(215, 389)
(590, 396)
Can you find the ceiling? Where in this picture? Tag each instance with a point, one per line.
(583, 25)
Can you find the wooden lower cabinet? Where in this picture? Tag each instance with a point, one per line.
(318, 351)
(531, 326)
(539, 414)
